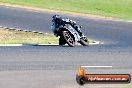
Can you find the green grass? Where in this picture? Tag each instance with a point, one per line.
(19, 37)
(129, 86)
(113, 8)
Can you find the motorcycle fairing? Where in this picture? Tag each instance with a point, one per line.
(73, 32)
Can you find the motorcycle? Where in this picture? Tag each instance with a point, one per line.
(68, 35)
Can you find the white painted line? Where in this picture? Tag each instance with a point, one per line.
(96, 42)
(29, 44)
(11, 44)
(97, 66)
(34, 44)
(47, 44)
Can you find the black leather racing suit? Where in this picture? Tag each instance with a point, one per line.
(58, 21)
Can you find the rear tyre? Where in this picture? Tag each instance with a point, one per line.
(69, 39)
(62, 41)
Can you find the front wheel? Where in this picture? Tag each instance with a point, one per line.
(84, 42)
(68, 38)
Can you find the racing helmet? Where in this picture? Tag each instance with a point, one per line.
(56, 17)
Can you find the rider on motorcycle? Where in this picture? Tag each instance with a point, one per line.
(58, 21)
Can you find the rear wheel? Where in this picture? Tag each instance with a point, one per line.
(68, 38)
(62, 41)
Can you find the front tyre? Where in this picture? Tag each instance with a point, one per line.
(84, 42)
(69, 39)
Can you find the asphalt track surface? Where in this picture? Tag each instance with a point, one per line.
(55, 66)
